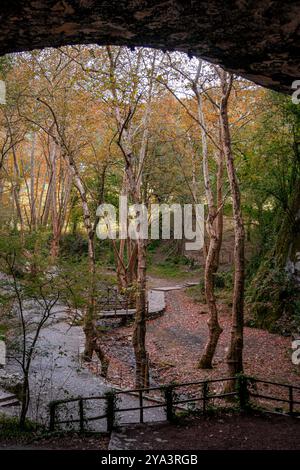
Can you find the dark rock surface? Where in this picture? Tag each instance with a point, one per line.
(258, 39)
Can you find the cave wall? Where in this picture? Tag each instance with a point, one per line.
(257, 39)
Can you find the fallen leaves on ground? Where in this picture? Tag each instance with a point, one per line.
(176, 340)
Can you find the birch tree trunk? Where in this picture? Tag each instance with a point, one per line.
(139, 330)
(139, 334)
(134, 181)
(32, 184)
(92, 343)
(235, 352)
(126, 272)
(53, 202)
(16, 188)
(214, 230)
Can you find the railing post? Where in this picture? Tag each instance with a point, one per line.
(141, 406)
(169, 399)
(204, 396)
(243, 393)
(110, 409)
(52, 409)
(81, 415)
(291, 400)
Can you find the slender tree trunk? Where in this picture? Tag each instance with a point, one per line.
(46, 208)
(91, 335)
(32, 184)
(139, 329)
(24, 400)
(134, 165)
(16, 186)
(126, 272)
(235, 352)
(89, 321)
(214, 230)
(16, 193)
(213, 323)
(139, 333)
(92, 342)
(1, 191)
(54, 213)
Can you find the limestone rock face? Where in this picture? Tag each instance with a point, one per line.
(258, 39)
(11, 382)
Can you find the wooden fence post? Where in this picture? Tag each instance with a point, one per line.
(52, 409)
(111, 408)
(141, 406)
(169, 399)
(204, 396)
(291, 400)
(81, 415)
(243, 393)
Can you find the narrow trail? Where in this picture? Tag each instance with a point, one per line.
(176, 340)
(265, 354)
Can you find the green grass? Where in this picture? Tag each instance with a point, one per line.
(196, 293)
(223, 295)
(171, 271)
(10, 432)
(3, 330)
(10, 429)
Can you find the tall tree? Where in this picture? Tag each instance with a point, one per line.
(134, 159)
(209, 136)
(235, 352)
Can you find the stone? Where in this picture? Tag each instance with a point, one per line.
(257, 40)
(11, 381)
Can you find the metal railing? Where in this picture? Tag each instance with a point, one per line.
(114, 305)
(291, 398)
(114, 300)
(245, 389)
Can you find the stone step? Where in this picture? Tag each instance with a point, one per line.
(191, 284)
(6, 396)
(9, 403)
(117, 313)
(8, 399)
(167, 289)
(175, 287)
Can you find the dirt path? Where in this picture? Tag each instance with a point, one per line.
(215, 433)
(176, 340)
(185, 324)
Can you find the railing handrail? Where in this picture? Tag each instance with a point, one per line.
(281, 384)
(173, 385)
(70, 400)
(167, 388)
